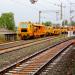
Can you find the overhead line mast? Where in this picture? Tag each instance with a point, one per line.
(40, 17)
(71, 11)
(61, 13)
(44, 11)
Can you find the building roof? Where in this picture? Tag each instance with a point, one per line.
(6, 31)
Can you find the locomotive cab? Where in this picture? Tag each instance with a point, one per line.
(25, 30)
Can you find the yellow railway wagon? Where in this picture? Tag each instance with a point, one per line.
(53, 30)
(39, 30)
(49, 30)
(71, 28)
(29, 30)
(56, 31)
(64, 30)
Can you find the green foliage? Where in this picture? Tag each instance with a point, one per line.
(48, 23)
(7, 21)
(72, 23)
(65, 22)
(1, 22)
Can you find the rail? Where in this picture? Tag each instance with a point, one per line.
(7, 70)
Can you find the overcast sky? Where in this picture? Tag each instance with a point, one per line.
(25, 11)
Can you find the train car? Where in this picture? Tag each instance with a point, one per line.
(39, 30)
(64, 30)
(25, 30)
(56, 31)
(71, 28)
(53, 30)
(30, 30)
(49, 30)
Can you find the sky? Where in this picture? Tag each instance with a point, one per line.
(25, 11)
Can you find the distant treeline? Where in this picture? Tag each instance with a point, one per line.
(7, 21)
(64, 23)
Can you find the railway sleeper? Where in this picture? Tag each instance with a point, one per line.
(30, 67)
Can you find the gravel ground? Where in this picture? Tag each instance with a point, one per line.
(71, 68)
(63, 65)
(8, 58)
(20, 43)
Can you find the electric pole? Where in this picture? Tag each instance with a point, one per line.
(40, 16)
(71, 11)
(57, 15)
(61, 13)
(70, 14)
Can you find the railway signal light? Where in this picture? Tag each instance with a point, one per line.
(33, 1)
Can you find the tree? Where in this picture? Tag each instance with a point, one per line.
(48, 23)
(72, 23)
(65, 22)
(1, 22)
(8, 20)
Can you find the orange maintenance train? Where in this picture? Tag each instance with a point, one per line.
(30, 30)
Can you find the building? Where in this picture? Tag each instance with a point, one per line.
(8, 34)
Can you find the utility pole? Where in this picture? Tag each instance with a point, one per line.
(61, 15)
(44, 11)
(70, 14)
(71, 11)
(40, 16)
(57, 15)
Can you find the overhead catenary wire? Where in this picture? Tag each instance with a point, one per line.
(71, 10)
(43, 6)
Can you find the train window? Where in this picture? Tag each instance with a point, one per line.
(23, 30)
(24, 26)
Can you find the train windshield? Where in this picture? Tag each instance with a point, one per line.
(24, 26)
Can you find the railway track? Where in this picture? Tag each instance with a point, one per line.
(34, 63)
(19, 43)
(7, 47)
(13, 54)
